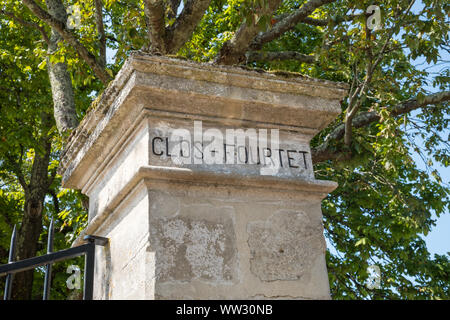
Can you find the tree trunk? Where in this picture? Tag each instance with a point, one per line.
(66, 119)
(27, 245)
(28, 236)
(60, 81)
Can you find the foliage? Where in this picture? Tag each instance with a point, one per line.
(24, 96)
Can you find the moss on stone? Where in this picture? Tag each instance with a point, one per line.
(177, 56)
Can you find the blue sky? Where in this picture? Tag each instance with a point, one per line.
(438, 240)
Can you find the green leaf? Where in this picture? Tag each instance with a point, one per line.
(42, 65)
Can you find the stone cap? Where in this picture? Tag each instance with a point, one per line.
(277, 100)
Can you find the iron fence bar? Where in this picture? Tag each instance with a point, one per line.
(48, 259)
(35, 262)
(89, 267)
(48, 267)
(10, 276)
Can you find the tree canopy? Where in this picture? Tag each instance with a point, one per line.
(57, 56)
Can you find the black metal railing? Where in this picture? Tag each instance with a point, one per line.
(87, 249)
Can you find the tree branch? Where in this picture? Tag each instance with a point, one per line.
(324, 152)
(315, 22)
(55, 200)
(358, 96)
(320, 22)
(391, 34)
(16, 168)
(27, 24)
(181, 31)
(154, 11)
(70, 37)
(233, 51)
(51, 178)
(64, 110)
(101, 31)
(174, 4)
(288, 23)
(282, 55)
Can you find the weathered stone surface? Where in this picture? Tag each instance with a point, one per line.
(284, 246)
(182, 230)
(199, 243)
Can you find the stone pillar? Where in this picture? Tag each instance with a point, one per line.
(195, 230)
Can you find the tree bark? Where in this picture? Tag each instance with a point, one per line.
(71, 39)
(183, 28)
(101, 32)
(233, 51)
(288, 23)
(281, 55)
(60, 81)
(30, 229)
(154, 11)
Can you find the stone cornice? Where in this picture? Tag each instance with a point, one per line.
(152, 175)
(300, 103)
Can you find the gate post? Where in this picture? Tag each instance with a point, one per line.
(183, 221)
